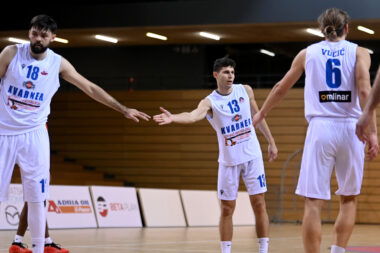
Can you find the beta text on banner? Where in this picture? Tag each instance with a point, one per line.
(10, 210)
(116, 206)
(70, 207)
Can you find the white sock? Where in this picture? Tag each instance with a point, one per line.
(18, 238)
(337, 249)
(37, 223)
(226, 246)
(263, 244)
(48, 240)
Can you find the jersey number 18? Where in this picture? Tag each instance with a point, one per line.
(33, 72)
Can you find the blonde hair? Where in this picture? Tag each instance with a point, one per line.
(332, 22)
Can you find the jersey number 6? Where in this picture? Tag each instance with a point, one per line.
(333, 74)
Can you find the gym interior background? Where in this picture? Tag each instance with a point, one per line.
(147, 73)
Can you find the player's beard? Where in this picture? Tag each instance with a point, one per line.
(38, 50)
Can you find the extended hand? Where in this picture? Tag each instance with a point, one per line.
(373, 146)
(361, 126)
(134, 114)
(164, 118)
(272, 152)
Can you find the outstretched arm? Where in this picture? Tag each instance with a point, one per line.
(362, 80)
(263, 126)
(281, 88)
(69, 73)
(185, 117)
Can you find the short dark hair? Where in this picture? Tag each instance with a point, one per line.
(223, 62)
(43, 22)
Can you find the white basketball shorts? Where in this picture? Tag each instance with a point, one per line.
(331, 142)
(253, 176)
(31, 151)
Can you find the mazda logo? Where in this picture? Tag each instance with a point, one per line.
(12, 215)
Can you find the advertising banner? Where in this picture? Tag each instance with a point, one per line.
(70, 207)
(10, 210)
(116, 206)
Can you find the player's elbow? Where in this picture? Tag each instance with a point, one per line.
(279, 90)
(192, 120)
(194, 117)
(363, 93)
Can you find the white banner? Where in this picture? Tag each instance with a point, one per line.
(161, 208)
(243, 214)
(10, 210)
(202, 208)
(116, 206)
(70, 207)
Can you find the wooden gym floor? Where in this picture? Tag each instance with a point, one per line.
(284, 238)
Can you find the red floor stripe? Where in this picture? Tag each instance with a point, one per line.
(363, 249)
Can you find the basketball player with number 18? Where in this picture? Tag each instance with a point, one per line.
(29, 78)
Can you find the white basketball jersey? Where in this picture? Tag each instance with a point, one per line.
(26, 91)
(231, 119)
(330, 89)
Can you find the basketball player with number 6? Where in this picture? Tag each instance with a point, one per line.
(336, 89)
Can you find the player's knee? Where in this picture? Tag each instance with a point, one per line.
(227, 208)
(313, 207)
(348, 199)
(258, 204)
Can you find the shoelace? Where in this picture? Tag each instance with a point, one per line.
(57, 246)
(20, 244)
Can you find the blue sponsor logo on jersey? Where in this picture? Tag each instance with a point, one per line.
(235, 127)
(38, 96)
